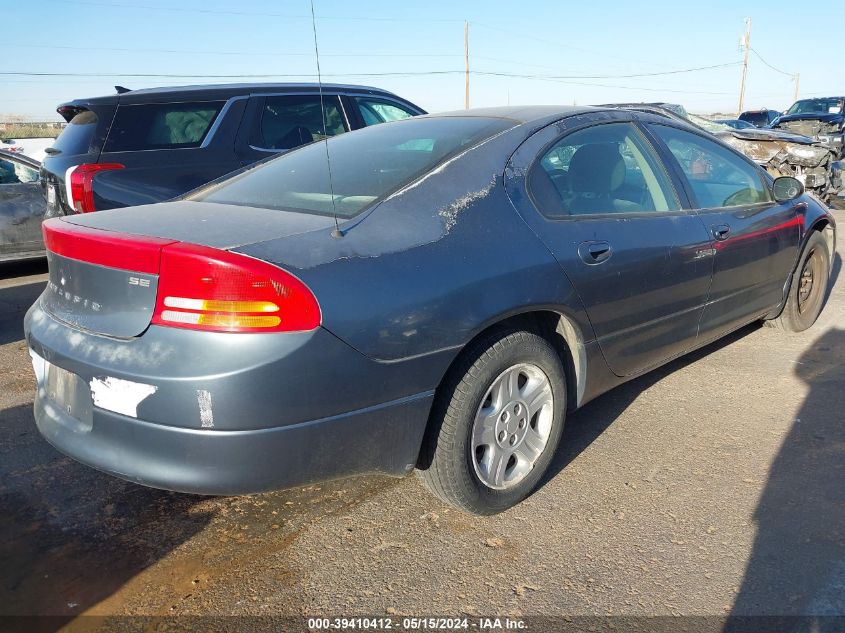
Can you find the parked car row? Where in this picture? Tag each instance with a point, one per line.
(146, 146)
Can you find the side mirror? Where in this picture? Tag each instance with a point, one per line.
(787, 188)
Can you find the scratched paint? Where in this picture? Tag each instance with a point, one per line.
(206, 415)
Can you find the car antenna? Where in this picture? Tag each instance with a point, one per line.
(337, 232)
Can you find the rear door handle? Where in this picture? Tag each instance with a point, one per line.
(595, 252)
(721, 231)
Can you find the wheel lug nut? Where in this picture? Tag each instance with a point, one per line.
(522, 424)
(501, 436)
(513, 440)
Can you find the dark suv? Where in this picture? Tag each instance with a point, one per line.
(822, 118)
(145, 146)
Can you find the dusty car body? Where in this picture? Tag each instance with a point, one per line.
(823, 119)
(22, 207)
(778, 151)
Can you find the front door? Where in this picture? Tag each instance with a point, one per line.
(755, 239)
(610, 213)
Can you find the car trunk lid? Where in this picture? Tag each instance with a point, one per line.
(105, 269)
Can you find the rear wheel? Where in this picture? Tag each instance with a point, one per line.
(496, 423)
(808, 289)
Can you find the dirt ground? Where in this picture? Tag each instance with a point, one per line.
(713, 486)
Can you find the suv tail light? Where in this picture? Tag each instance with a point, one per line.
(203, 288)
(79, 182)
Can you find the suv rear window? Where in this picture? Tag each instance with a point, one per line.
(366, 166)
(758, 119)
(161, 126)
(78, 133)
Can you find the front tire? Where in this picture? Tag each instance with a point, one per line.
(496, 423)
(808, 289)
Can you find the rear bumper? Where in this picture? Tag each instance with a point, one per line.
(217, 414)
(237, 462)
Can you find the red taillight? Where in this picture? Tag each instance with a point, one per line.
(199, 287)
(105, 248)
(203, 288)
(79, 182)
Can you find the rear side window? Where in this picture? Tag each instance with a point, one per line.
(755, 118)
(290, 121)
(77, 136)
(718, 176)
(161, 125)
(375, 111)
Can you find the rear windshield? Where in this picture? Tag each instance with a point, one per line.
(161, 126)
(366, 166)
(755, 118)
(77, 136)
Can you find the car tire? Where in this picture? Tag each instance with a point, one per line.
(496, 422)
(808, 290)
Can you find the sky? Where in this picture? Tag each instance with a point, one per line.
(566, 52)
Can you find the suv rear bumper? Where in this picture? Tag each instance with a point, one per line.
(280, 415)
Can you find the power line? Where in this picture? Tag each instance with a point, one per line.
(401, 74)
(239, 53)
(122, 5)
(777, 70)
(367, 74)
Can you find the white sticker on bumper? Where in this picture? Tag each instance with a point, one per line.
(120, 396)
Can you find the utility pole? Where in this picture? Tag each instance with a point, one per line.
(797, 80)
(466, 65)
(746, 44)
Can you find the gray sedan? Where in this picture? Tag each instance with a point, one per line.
(435, 293)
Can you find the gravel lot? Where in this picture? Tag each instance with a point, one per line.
(713, 486)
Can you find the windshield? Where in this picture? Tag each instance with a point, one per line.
(366, 166)
(831, 105)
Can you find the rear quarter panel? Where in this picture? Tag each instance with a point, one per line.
(431, 266)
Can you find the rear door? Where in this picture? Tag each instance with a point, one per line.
(167, 149)
(612, 216)
(755, 239)
(22, 207)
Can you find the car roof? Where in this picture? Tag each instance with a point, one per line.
(224, 91)
(522, 114)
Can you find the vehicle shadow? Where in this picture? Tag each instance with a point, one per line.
(588, 423)
(797, 564)
(14, 302)
(69, 535)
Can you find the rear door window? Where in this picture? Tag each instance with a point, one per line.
(602, 169)
(375, 111)
(285, 122)
(78, 134)
(161, 125)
